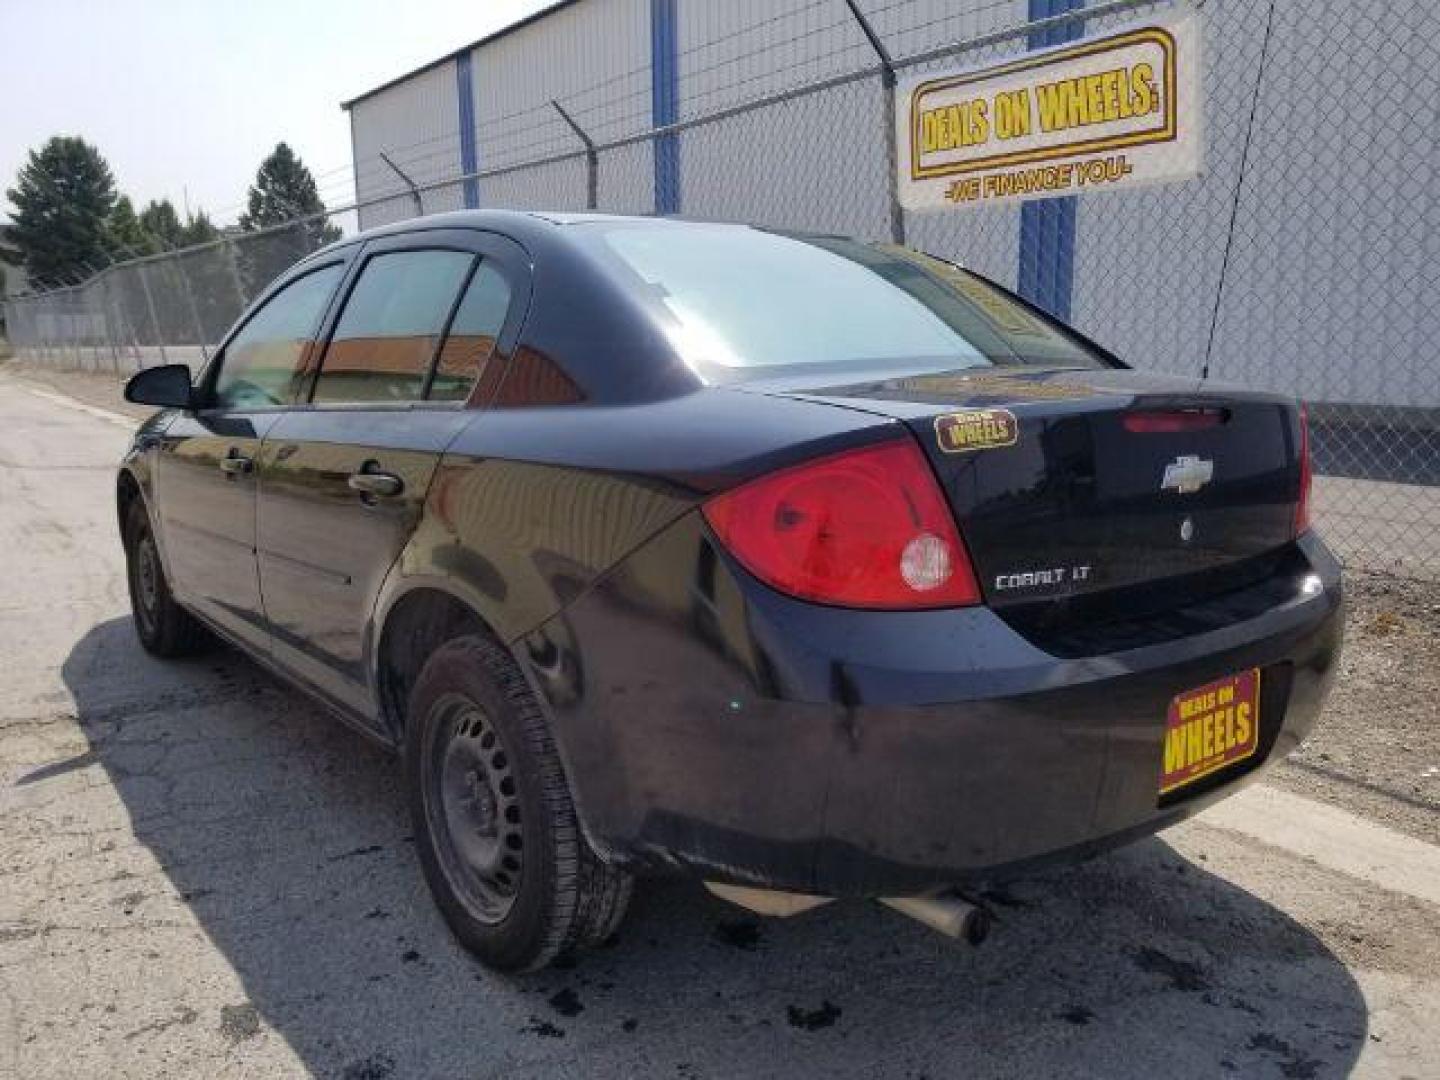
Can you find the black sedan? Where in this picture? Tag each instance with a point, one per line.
(808, 567)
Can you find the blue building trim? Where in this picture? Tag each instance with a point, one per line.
(469, 153)
(1046, 274)
(665, 103)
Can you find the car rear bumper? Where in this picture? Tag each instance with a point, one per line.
(713, 726)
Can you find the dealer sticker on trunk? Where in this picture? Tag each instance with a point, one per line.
(976, 429)
(1210, 727)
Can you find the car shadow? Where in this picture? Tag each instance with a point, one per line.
(285, 835)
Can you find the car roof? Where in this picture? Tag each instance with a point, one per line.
(516, 223)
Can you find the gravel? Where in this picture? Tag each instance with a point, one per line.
(1376, 749)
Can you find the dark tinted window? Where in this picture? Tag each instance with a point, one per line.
(265, 362)
(386, 336)
(471, 341)
(744, 298)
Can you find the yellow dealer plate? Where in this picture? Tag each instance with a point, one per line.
(1210, 727)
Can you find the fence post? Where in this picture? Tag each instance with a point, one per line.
(592, 157)
(112, 322)
(87, 315)
(71, 330)
(237, 278)
(887, 112)
(195, 317)
(414, 191)
(154, 316)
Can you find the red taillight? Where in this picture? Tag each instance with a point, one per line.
(864, 528)
(1148, 421)
(1302, 504)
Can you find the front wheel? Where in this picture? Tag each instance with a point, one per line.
(495, 826)
(163, 626)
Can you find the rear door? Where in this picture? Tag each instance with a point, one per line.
(343, 475)
(205, 480)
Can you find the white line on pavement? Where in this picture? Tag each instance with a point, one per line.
(1332, 838)
(127, 422)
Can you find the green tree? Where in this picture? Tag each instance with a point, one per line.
(284, 203)
(198, 229)
(160, 220)
(284, 190)
(63, 197)
(125, 234)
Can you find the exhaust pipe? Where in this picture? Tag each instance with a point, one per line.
(947, 912)
(766, 901)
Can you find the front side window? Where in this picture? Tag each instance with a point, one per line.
(264, 363)
(471, 340)
(743, 299)
(392, 322)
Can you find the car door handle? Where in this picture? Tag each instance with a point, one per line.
(380, 485)
(235, 464)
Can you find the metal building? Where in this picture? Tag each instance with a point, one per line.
(1299, 259)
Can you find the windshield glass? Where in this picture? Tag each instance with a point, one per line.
(745, 298)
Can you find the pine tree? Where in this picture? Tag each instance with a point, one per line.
(63, 197)
(198, 229)
(160, 220)
(126, 237)
(284, 193)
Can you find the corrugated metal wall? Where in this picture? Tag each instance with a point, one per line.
(417, 123)
(594, 58)
(1304, 309)
(782, 158)
(597, 58)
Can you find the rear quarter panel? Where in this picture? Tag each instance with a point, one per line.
(529, 506)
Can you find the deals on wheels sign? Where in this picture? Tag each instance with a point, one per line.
(1103, 113)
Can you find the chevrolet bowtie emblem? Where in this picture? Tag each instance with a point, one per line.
(1187, 473)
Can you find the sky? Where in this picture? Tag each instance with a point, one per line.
(185, 99)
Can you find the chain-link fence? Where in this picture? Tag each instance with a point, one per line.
(1302, 258)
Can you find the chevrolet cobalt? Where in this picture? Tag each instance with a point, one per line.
(807, 567)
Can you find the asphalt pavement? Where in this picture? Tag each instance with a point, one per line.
(203, 874)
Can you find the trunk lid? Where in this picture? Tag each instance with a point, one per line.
(1060, 498)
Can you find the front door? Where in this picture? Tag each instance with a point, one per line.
(205, 491)
(343, 479)
(206, 470)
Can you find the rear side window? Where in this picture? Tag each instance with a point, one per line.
(392, 322)
(264, 363)
(471, 341)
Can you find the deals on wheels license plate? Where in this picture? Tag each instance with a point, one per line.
(1210, 727)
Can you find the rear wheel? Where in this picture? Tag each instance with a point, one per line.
(163, 626)
(495, 826)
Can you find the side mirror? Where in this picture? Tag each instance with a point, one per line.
(167, 386)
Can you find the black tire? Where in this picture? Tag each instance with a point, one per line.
(604, 899)
(495, 826)
(165, 628)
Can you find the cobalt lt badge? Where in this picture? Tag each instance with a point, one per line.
(1187, 474)
(1187, 530)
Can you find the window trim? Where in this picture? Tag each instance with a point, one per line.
(509, 257)
(480, 262)
(306, 398)
(211, 375)
(506, 255)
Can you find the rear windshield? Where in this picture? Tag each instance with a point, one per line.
(742, 298)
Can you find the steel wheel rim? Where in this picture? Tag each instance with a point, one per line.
(147, 580)
(473, 806)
